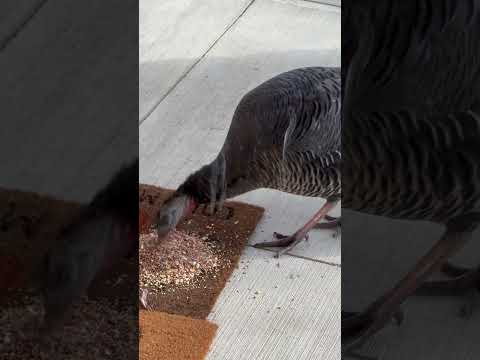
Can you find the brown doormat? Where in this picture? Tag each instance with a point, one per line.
(187, 272)
(165, 336)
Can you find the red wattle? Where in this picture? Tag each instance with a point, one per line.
(144, 221)
(190, 208)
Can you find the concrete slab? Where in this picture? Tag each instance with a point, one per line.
(285, 213)
(270, 38)
(173, 35)
(289, 311)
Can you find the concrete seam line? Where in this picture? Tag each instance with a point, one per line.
(185, 74)
(329, 263)
(323, 3)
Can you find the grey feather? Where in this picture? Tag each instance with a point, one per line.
(285, 134)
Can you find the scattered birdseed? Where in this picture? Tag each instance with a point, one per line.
(225, 241)
(177, 260)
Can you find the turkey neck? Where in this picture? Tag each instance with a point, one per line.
(205, 185)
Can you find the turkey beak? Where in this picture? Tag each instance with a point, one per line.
(170, 215)
(164, 225)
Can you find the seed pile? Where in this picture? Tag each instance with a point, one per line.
(219, 238)
(178, 260)
(96, 330)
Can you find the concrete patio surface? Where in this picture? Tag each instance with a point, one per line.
(196, 62)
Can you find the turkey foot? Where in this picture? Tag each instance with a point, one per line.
(358, 329)
(288, 242)
(454, 270)
(222, 212)
(332, 222)
(457, 285)
(354, 324)
(463, 282)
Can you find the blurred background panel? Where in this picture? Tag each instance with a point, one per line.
(69, 95)
(411, 146)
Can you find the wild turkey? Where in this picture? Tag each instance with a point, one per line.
(285, 135)
(411, 131)
(104, 232)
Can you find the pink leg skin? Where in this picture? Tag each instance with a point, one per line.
(288, 242)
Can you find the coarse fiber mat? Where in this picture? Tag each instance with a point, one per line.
(165, 336)
(225, 233)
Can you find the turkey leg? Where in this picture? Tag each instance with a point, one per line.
(332, 222)
(289, 242)
(463, 282)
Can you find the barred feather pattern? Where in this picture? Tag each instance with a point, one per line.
(285, 135)
(300, 173)
(401, 166)
(411, 126)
